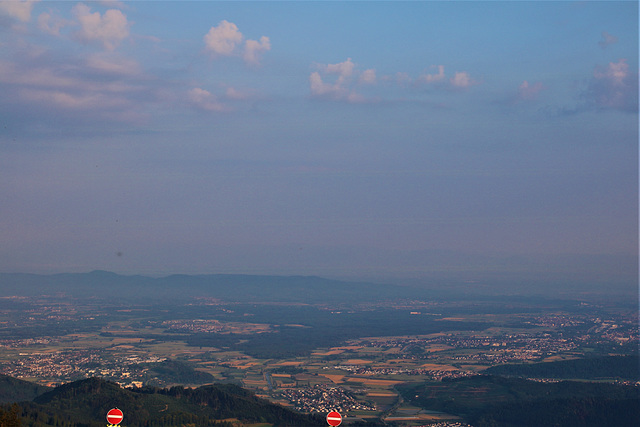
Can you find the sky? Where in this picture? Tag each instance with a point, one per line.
(373, 140)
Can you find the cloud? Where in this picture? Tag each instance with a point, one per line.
(20, 10)
(108, 63)
(336, 90)
(29, 76)
(343, 69)
(432, 78)
(607, 39)
(74, 101)
(225, 39)
(238, 95)
(528, 92)
(253, 49)
(339, 81)
(51, 24)
(320, 88)
(340, 89)
(229, 100)
(109, 29)
(614, 87)
(101, 87)
(462, 80)
(368, 77)
(205, 100)
(525, 93)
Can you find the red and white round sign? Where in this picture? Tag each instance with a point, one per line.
(334, 419)
(114, 416)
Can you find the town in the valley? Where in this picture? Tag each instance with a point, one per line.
(357, 377)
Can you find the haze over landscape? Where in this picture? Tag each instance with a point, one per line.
(257, 214)
(369, 140)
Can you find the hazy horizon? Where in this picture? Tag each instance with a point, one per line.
(366, 140)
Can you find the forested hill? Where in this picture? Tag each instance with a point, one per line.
(86, 402)
(227, 287)
(620, 367)
(15, 390)
(490, 401)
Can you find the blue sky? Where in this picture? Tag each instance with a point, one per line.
(378, 140)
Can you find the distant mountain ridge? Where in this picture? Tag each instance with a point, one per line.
(227, 287)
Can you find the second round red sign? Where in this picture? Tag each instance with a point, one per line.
(114, 416)
(334, 419)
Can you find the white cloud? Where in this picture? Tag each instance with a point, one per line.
(368, 76)
(205, 100)
(78, 79)
(320, 88)
(20, 10)
(253, 49)
(223, 39)
(461, 80)
(336, 90)
(615, 87)
(607, 39)
(341, 88)
(99, 87)
(109, 29)
(615, 73)
(344, 69)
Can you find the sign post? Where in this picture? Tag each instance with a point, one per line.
(334, 419)
(114, 417)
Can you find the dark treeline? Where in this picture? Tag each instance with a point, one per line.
(10, 417)
(324, 329)
(30, 415)
(623, 367)
(177, 372)
(85, 404)
(588, 412)
(16, 390)
(487, 401)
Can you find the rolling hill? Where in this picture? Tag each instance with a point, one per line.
(86, 402)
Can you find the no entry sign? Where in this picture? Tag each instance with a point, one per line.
(334, 419)
(114, 416)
